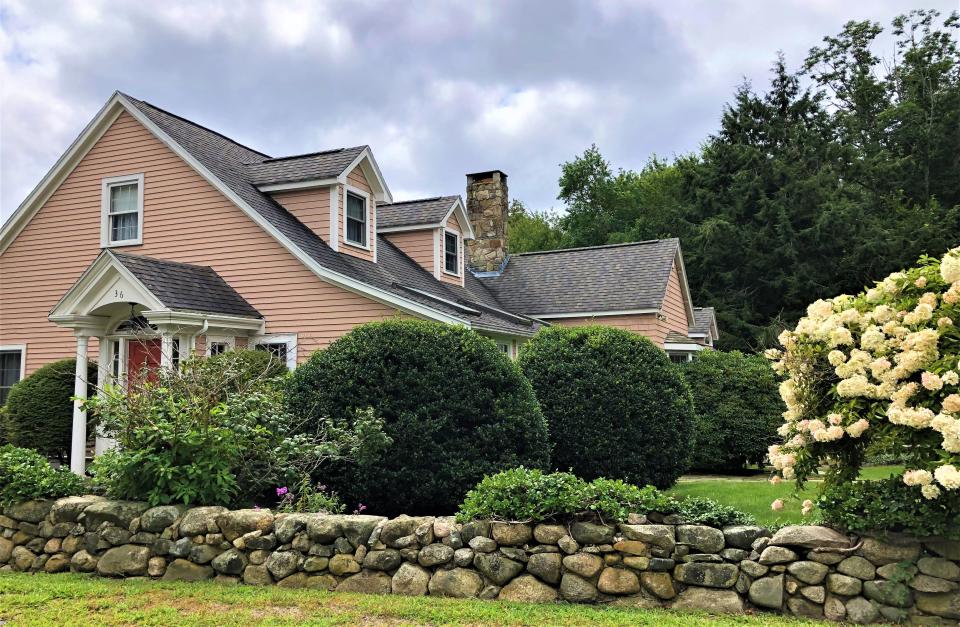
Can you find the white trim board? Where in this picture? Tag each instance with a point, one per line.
(593, 314)
(22, 348)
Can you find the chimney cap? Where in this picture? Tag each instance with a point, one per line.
(485, 174)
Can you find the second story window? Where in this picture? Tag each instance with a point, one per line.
(451, 252)
(122, 211)
(356, 231)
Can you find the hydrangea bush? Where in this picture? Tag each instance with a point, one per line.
(874, 373)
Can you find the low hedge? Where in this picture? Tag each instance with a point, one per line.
(27, 475)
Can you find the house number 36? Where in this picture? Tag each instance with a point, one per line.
(118, 294)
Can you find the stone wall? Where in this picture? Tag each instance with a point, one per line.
(806, 571)
(488, 208)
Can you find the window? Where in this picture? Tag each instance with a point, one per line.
(283, 347)
(356, 231)
(451, 252)
(122, 211)
(11, 369)
(679, 358)
(218, 348)
(217, 345)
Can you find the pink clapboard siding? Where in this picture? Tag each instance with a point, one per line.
(418, 245)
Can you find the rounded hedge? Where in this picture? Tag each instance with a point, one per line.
(738, 409)
(455, 407)
(616, 406)
(39, 409)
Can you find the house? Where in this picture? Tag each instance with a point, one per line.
(153, 238)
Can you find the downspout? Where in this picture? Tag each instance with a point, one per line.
(202, 331)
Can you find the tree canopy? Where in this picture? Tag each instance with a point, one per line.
(839, 172)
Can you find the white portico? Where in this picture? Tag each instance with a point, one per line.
(143, 312)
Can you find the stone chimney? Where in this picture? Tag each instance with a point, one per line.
(487, 206)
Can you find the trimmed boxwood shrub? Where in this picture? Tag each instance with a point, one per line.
(738, 409)
(39, 409)
(616, 406)
(455, 407)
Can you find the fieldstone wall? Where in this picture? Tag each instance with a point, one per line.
(806, 571)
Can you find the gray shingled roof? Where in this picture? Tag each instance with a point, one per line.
(413, 212)
(186, 287)
(678, 338)
(620, 277)
(229, 162)
(318, 165)
(703, 317)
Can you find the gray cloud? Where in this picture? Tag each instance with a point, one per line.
(437, 89)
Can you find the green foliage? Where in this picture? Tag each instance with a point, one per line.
(523, 494)
(857, 171)
(704, 511)
(532, 230)
(26, 475)
(738, 409)
(889, 505)
(616, 405)
(249, 367)
(307, 497)
(39, 409)
(454, 406)
(207, 433)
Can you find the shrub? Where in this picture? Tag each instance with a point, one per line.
(523, 494)
(889, 505)
(206, 434)
(872, 374)
(454, 406)
(704, 511)
(307, 497)
(39, 409)
(737, 408)
(248, 367)
(26, 475)
(616, 406)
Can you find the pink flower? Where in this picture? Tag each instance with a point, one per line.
(282, 491)
(777, 505)
(360, 508)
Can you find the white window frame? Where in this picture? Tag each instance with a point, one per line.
(22, 349)
(290, 339)
(443, 253)
(348, 189)
(229, 340)
(106, 185)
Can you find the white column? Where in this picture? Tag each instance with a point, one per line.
(78, 444)
(166, 349)
(104, 379)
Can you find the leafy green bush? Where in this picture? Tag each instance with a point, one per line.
(737, 407)
(704, 511)
(616, 405)
(523, 494)
(248, 367)
(206, 434)
(39, 409)
(26, 475)
(889, 505)
(454, 406)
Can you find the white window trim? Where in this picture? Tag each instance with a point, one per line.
(443, 253)
(290, 339)
(106, 184)
(348, 189)
(230, 340)
(23, 357)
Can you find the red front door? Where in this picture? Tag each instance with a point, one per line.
(142, 355)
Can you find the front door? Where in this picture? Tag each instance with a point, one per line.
(143, 358)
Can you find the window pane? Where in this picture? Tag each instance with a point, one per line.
(356, 220)
(217, 348)
(356, 208)
(356, 232)
(123, 227)
(9, 372)
(277, 349)
(451, 260)
(123, 198)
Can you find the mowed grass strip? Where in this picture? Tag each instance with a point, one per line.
(754, 494)
(72, 599)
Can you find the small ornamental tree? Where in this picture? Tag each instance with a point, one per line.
(738, 409)
(616, 406)
(877, 372)
(454, 406)
(39, 409)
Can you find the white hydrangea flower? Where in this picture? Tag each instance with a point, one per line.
(950, 266)
(948, 476)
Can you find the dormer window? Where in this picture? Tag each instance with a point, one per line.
(451, 253)
(356, 219)
(121, 211)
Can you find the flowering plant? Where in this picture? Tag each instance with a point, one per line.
(879, 372)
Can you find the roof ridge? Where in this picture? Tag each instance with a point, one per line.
(409, 202)
(164, 261)
(304, 155)
(192, 123)
(602, 246)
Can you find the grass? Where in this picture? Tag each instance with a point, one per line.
(71, 599)
(753, 494)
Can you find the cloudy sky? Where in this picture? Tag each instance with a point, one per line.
(438, 89)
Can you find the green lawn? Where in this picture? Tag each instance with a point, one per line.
(84, 600)
(754, 494)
